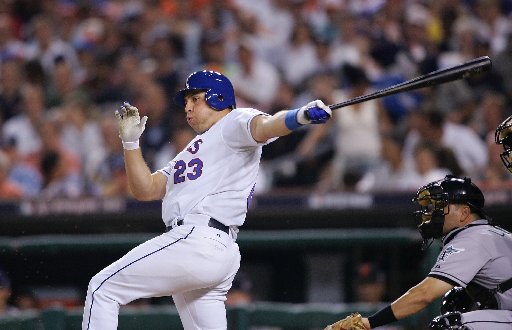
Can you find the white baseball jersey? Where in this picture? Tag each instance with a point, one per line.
(216, 173)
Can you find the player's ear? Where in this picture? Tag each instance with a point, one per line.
(464, 213)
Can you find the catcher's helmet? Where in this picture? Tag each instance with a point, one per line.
(434, 197)
(219, 90)
(503, 135)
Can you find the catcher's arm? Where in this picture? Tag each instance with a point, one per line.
(420, 297)
(414, 300)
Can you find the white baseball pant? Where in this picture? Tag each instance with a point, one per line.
(194, 264)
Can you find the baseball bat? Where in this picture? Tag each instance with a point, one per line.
(461, 71)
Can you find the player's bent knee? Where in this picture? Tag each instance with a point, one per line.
(448, 321)
(95, 282)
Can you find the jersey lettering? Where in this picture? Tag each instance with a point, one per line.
(195, 167)
(194, 148)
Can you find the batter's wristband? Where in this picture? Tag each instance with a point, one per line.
(131, 145)
(290, 120)
(382, 317)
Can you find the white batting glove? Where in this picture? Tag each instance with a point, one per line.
(131, 125)
(315, 112)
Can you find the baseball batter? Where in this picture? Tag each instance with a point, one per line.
(476, 256)
(205, 191)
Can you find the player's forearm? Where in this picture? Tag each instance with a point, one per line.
(138, 175)
(414, 300)
(286, 121)
(420, 296)
(408, 304)
(267, 127)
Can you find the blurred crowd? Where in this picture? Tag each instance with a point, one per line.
(66, 66)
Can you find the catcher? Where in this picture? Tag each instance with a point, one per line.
(476, 256)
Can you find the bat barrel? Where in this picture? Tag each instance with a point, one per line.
(438, 77)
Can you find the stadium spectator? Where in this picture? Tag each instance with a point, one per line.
(61, 83)
(6, 309)
(496, 23)
(11, 45)
(165, 48)
(61, 170)
(153, 102)
(26, 300)
(429, 125)
(23, 127)
(110, 178)
(496, 176)
(502, 63)
(11, 79)
(391, 174)
(81, 135)
(298, 61)
(9, 189)
(357, 132)
(257, 80)
(491, 110)
(25, 175)
(241, 291)
(370, 286)
(46, 46)
(427, 163)
(58, 181)
(370, 283)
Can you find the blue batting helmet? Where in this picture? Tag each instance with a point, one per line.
(219, 90)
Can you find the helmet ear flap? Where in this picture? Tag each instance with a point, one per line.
(215, 100)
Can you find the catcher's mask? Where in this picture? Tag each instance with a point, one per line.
(219, 90)
(503, 135)
(435, 198)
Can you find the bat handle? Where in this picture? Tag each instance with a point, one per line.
(306, 114)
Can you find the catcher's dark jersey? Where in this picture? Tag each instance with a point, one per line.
(481, 254)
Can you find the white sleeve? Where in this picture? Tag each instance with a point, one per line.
(236, 130)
